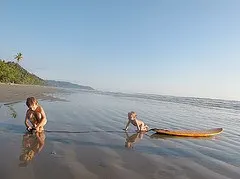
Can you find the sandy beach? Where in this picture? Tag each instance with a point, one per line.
(11, 93)
(84, 138)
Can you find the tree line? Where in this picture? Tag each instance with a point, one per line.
(11, 72)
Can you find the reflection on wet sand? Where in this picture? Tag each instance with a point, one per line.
(130, 140)
(32, 144)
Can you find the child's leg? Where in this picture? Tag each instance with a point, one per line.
(143, 127)
(146, 127)
(41, 127)
(39, 118)
(33, 119)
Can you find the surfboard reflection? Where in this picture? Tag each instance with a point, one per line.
(134, 138)
(32, 144)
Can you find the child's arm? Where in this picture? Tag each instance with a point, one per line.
(26, 120)
(126, 128)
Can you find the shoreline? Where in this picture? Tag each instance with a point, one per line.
(13, 93)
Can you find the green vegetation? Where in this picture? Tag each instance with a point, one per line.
(18, 57)
(11, 72)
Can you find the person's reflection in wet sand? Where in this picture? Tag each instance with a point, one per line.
(130, 140)
(32, 144)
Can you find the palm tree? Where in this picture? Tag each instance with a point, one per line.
(18, 57)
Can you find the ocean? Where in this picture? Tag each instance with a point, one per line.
(84, 138)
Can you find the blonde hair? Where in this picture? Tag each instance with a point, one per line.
(130, 114)
(31, 101)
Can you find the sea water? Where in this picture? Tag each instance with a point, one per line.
(84, 138)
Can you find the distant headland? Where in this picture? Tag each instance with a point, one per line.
(64, 84)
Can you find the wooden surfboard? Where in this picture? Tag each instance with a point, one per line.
(189, 133)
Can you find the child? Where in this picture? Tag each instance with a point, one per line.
(36, 115)
(132, 118)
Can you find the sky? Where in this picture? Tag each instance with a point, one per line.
(166, 47)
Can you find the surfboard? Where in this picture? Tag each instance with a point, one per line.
(189, 133)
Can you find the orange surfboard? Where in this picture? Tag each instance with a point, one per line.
(189, 133)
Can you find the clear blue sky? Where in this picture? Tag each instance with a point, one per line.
(173, 47)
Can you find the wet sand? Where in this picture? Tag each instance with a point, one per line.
(84, 139)
(12, 93)
(36, 157)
